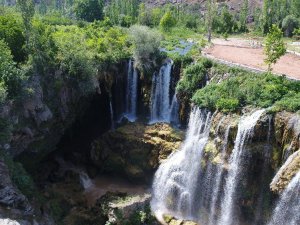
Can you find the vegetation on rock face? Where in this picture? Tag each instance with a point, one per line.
(240, 89)
(194, 77)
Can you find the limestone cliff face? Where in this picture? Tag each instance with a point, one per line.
(135, 150)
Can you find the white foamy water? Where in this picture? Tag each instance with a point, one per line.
(160, 96)
(131, 92)
(245, 131)
(287, 211)
(176, 180)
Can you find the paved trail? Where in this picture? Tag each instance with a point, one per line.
(250, 54)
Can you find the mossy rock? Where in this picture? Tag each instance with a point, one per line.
(135, 149)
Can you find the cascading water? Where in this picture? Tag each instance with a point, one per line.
(131, 98)
(288, 207)
(111, 116)
(175, 183)
(174, 111)
(160, 96)
(85, 180)
(245, 130)
(218, 182)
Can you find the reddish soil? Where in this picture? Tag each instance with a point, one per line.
(289, 64)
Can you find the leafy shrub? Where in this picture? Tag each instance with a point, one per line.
(227, 104)
(167, 21)
(194, 77)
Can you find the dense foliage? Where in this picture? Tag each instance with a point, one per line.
(89, 10)
(11, 31)
(10, 76)
(244, 88)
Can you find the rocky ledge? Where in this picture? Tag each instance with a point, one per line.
(286, 173)
(135, 150)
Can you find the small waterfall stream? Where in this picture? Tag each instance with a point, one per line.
(176, 180)
(174, 111)
(160, 96)
(245, 130)
(111, 116)
(288, 207)
(131, 92)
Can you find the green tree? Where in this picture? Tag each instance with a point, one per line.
(27, 11)
(11, 32)
(167, 21)
(146, 43)
(89, 10)
(274, 46)
(10, 76)
(243, 17)
(289, 24)
(227, 21)
(210, 14)
(295, 6)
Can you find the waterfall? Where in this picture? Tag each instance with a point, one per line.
(288, 207)
(267, 153)
(85, 180)
(174, 111)
(218, 181)
(245, 131)
(131, 91)
(176, 180)
(160, 96)
(111, 116)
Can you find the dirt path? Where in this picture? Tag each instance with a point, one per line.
(250, 54)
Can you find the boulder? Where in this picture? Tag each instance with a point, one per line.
(286, 173)
(170, 220)
(135, 150)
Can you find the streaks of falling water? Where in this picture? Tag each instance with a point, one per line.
(218, 182)
(174, 111)
(267, 151)
(288, 207)
(160, 96)
(245, 131)
(131, 92)
(112, 126)
(175, 181)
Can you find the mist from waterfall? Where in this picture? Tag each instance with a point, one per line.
(245, 131)
(160, 96)
(176, 181)
(131, 92)
(288, 207)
